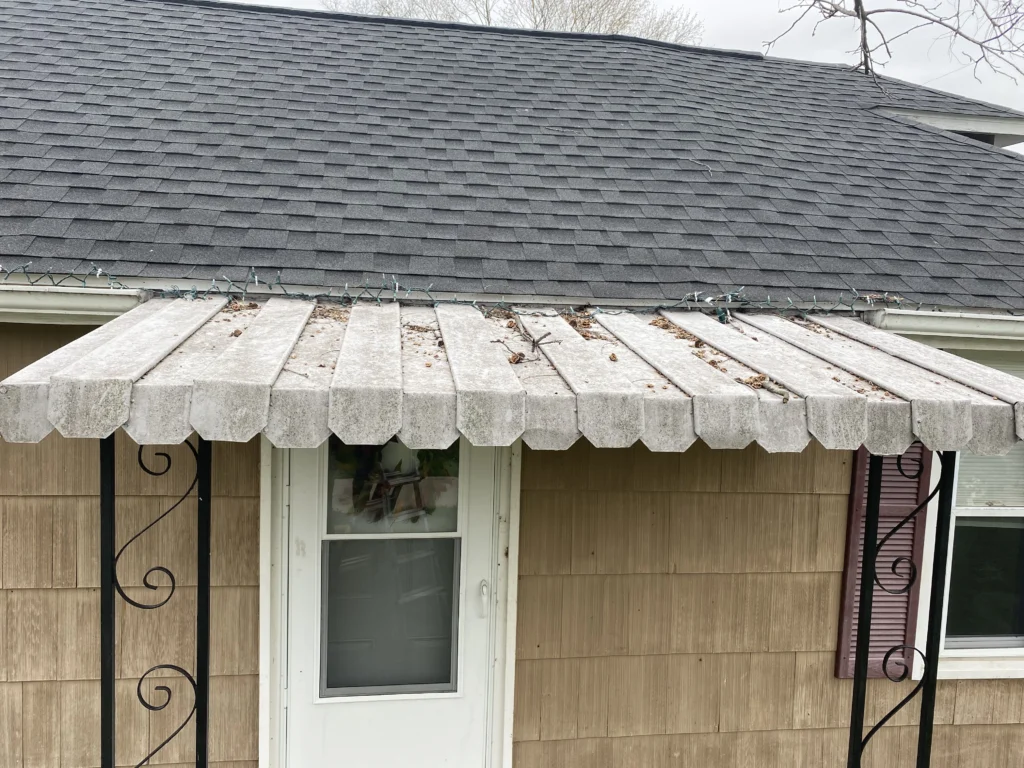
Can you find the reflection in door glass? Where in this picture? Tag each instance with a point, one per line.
(392, 489)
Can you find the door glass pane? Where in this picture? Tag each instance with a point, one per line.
(392, 489)
(390, 615)
(986, 589)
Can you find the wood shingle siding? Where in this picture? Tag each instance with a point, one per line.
(682, 610)
(49, 595)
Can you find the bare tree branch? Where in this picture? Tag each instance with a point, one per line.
(989, 33)
(641, 18)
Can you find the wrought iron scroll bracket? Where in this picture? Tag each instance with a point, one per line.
(156, 578)
(895, 664)
(147, 579)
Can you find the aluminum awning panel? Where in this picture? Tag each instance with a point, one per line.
(298, 371)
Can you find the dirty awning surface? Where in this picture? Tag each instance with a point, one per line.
(298, 371)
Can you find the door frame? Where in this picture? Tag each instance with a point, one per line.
(275, 501)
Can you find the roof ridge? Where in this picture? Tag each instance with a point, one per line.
(233, 5)
(390, 20)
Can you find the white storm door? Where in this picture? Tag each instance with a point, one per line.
(391, 611)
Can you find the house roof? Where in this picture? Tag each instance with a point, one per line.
(191, 140)
(298, 370)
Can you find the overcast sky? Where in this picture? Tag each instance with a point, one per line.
(923, 58)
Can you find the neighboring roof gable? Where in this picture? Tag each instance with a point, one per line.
(191, 140)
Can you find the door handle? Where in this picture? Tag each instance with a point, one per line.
(485, 593)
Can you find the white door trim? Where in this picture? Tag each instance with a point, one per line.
(274, 515)
(275, 474)
(508, 556)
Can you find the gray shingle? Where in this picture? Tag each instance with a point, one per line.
(184, 140)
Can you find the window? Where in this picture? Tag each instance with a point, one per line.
(984, 622)
(985, 592)
(986, 584)
(391, 563)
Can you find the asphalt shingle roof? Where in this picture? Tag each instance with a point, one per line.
(189, 140)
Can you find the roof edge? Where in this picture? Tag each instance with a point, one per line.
(1008, 130)
(948, 133)
(165, 287)
(985, 108)
(1008, 112)
(389, 20)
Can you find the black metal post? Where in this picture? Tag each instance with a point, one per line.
(867, 589)
(204, 472)
(935, 604)
(108, 532)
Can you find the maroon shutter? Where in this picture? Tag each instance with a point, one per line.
(894, 617)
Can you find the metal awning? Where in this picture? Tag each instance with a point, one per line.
(297, 371)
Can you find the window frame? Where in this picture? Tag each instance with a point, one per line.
(393, 692)
(960, 663)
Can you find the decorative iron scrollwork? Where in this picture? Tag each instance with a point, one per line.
(889, 663)
(157, 577)
(910, 476)
(167, 695)
(148, 579)
(910, 574)
(898, 661)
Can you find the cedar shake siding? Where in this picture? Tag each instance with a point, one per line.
(683, 609)
(50, 597)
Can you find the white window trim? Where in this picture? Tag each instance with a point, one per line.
(959, 663)
(275, 473)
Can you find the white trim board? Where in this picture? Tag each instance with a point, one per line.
(953, 330)
(266, 558)
(508, 556)
(275, 474)
(60, 305)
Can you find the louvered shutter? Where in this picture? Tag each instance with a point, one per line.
(894, 617)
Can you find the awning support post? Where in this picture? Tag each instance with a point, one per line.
(936, 602)
(159, 579)
(897, 662)
(204, 474)
(107, 608)
(868, 562)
